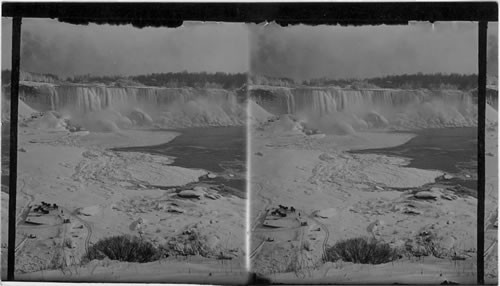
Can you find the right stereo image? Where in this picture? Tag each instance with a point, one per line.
(364, 153)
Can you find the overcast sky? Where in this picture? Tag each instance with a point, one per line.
(304, 52)
(49, 46)
(300, 52)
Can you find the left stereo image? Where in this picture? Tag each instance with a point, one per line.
(131, 159)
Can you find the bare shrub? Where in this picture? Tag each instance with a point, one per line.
(123, 248)
(361, 250)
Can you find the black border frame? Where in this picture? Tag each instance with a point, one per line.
(173, 14)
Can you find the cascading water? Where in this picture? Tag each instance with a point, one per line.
(328, 107)
(136, 106)
(93, 98)
(329, 100)
(322, 107)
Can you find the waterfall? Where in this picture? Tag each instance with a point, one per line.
(93, 98)
(360, 107)
(183, 107)
(323, 101)
(165, 107)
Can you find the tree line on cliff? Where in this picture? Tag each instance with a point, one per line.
(237, 80)
(404, 81)
(170, 79)
(407, 81)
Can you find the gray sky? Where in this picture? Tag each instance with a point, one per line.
(304, 52)
(299, 52)
(49, 46)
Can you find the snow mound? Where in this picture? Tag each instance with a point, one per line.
(140, 117)
(358, 123)
(50, 120)
(103, 125)
(325, 213)
(343, 128)
(203, 112)
(24, 110)
(286, 124)
(491, 115)
(436, 114)
(426, 195)
(107, 120)
(257, 113)
(191, 194)
(89, 211)
(374, 119)
(138, 225)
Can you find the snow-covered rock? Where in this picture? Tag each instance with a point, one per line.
(89, 211)
(325, 213)
(173, 209)
(200, 189)
(412, 211)
(436, 189)
(425, 195)
(191, 194)
(213, 196)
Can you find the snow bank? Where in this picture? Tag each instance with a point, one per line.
(141, 118)
(89, 211)
(257, 113)
(437, 113)
(286, 124)
(24, 111)
(108, 120)
(50, 121)
(491, 115)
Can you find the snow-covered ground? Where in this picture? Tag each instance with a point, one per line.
(355, 195)
(105, 193)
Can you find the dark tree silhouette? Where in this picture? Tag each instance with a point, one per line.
(408, 81)
(177, 79)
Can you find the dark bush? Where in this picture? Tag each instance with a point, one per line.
(361, 250)
(123, 248)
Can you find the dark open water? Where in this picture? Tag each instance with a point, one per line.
(452, 150)
(220, 150)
